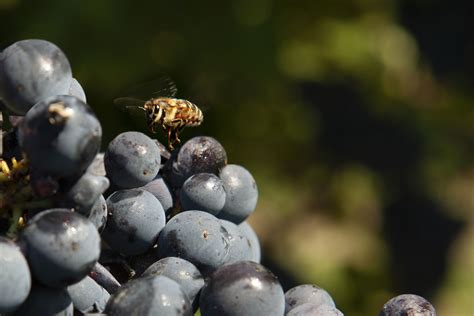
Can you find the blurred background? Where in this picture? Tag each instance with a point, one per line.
(355, 117)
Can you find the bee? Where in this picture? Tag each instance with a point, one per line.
(172, 114)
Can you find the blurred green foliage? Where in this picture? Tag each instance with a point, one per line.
(356, 118)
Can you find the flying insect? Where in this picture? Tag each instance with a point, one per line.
(172, 114)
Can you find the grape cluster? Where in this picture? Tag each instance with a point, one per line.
(135, 230)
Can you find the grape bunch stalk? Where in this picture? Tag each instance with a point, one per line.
(133, 230)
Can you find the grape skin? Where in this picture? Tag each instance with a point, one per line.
(204, 192)
(252, 237)
(14, 271)
(98, 213)
(408, 304)
(241, 193)
(30, 71)
(239, 245)
(161, 191)
(243, 288)
(75, 89)
(181, 271)
(84, 193)
(309, 309)
(198, 155)
(195, 236)
(307, 293)
(60, 137)
(149, 296)
(46, 301)
(88, 296)
(62, 247)
(132, 159)
(135, 218)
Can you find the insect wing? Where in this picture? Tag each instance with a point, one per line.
(163, 86)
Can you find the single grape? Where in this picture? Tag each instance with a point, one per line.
(60, 136)
(181, 271)
(161, 191)
(200, 154)
(76, 90)
(408, 304)
(98, 213)
(30, 71)
(84, 193)
(195, 236)
(46, 301)
(239, 245)
(131, 160)
(307, 293)
(134, 221)
(241, 193)
(309, 309)
(15, 277)
(97, 167)
(61, 247)
(149, 296)
(88, 296)
(204, 192)
(252, 237)
(242, 288)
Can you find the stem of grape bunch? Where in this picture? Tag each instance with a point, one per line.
(16, 195)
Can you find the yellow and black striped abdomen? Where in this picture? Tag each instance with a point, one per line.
(178, 113)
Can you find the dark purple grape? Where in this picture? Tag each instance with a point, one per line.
(161, 191)
(30, 71)
(75, 89)
(252, 237)
(60, 136)
(242, 288)
(181, 271)
(15, 276)
(308, 309)
(61, 247)
(149, 296)
(98, 213)
(239, 245)
(97, 167)
(307, 293)
(204, 192)
(195, 236)
(131, 160)
(88, 296)
(241, 193)
(84, 193)
(408, 304)
(200, 154)
(46, 301)
(134, 221)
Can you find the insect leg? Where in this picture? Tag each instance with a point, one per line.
(177, 133)
(170, 141)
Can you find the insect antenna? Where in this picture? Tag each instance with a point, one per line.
(130, 105)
